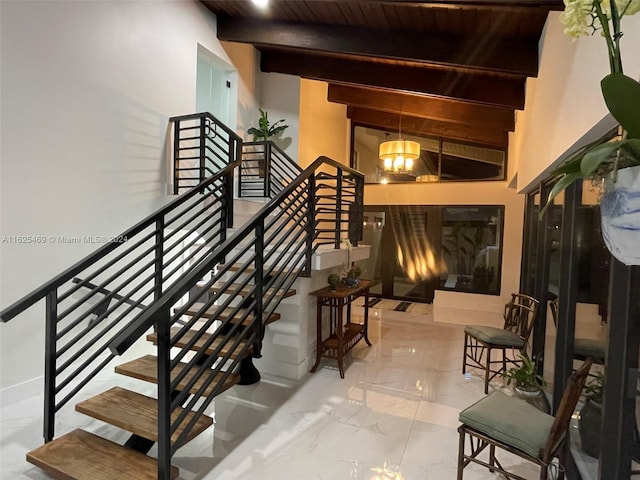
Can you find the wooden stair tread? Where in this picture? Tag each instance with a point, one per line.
(245, 290)
(226, 313)
(182, 343)
(146, 369)
(81, 455)
(137, 414)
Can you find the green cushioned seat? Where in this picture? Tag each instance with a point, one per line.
(509, 420)
(495, 336)
(586, 347)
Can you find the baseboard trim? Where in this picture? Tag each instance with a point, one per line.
(21, 391)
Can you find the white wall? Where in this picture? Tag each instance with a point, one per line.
(87, 90)
(280, 97)
(565, 101)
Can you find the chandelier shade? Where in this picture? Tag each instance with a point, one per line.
(398, 155)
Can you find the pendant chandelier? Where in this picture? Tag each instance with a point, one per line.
(398, 155)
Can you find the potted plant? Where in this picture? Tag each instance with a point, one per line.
(527, 383)
(352, 279)
(265, 130)
(333, 280)
(590, 421)
(616, 162)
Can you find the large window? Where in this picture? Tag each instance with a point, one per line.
(471, 241)
(440, 160)
(417, 249)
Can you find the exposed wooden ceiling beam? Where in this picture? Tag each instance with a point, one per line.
(515, 4)
(519, 56)
(476, 88)
(423, 106)
(423, 126)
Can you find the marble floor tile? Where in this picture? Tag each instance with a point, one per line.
(395, 413)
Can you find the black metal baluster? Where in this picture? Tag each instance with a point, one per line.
(338, 207)
(259, 284)
(159, 254)
(164, 396)
(51, 305)
(267, 170)
(311, 223)
(203, 136)
(176, 157)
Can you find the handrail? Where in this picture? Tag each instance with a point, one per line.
(133, 332)
(41, 292)
(219, 124)
(202, 145)
(172, 251)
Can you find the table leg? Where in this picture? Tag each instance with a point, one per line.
(319, 336)
(366, 318)
(339, 336)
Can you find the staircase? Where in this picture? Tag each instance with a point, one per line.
(184, 280)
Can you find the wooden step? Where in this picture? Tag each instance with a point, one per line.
(247, 289)
(81, 455)
(146, 369)
(226, 313)
(186, 338)
(137, 414)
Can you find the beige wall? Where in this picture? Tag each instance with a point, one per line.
(466, 193)
(565, 101)
(324, 128)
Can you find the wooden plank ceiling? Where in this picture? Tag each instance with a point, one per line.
(455, 69)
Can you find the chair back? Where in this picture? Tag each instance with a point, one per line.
(520, 314)
(568, 403)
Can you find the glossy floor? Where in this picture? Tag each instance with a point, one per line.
(396, 411)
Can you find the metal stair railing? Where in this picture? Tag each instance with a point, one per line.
(263, 260)
(202, 146)
(89, 303)
(147, 279)
(265, 170)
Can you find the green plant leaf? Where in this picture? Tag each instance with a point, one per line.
(632, 148)
(597, 156)
(570, 166)
(622, 96)
(559, 186)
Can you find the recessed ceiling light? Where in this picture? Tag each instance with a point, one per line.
(261, 3)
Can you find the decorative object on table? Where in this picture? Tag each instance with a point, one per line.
(606, 160)
(333, 280)
(265, 130)
(353, 276)
(527, 383)
(590, 420)
(352, 271)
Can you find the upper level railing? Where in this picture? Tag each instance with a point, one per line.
(202, 146)
(265, 170)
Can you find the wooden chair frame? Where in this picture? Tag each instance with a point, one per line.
(555, 445)
(519, 317)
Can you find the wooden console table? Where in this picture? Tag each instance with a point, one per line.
(342, 336)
